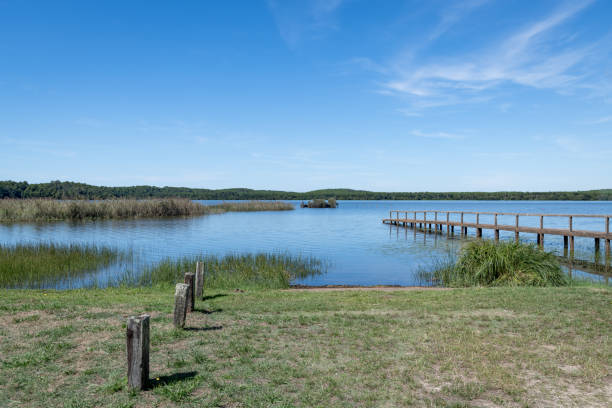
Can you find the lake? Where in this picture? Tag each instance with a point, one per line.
(351, 239)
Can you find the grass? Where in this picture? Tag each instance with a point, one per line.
(503, 346)
(264, 271)
(35, 265)
(13, 210)
(487, 263)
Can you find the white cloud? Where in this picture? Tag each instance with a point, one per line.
(304, 19)
(530, 57)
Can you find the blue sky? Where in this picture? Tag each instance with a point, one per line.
(475, 95)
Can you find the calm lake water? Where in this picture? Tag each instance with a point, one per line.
(357, 247)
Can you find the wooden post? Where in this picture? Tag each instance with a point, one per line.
(462, 229)
(137, 336)
(516, 231)
(447, 223)
(571, 228)
(479, 232)
(607, 240)
(596, 244)
(477, 218)
(541, 233)
(199, 280)
(180, 304)
(436, 221)
(189, 280)
(424, 221)
(565, 242)
(496, 230)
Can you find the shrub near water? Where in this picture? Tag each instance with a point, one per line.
(38, 265)
(486, 263)
(232, 271)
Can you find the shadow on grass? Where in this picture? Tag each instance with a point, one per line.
(170, 379)
(218, 295)
(207, 328)
(206, 311)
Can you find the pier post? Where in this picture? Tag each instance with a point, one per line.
(462, 224)
(137, 340)
(571, 239)
(479, 232)
(541, 234)
(565, 241)
(452, 230)
(607, 240)
(447, 223)
(180, 305)
(596, 244)
(189, 280)
(425, 221)
(516, 231)
(496, 230)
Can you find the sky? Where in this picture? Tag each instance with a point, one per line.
(431, 95)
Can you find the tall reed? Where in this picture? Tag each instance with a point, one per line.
(231, 271)
(486, 263)
(34, 265)
(12, 210)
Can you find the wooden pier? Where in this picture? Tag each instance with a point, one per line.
(442, 218)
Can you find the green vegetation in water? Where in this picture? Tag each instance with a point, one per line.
(487, 263)
(270, 271)
(12, 210)
(321, 203)
(70, 190)
(39, 265)
(494, 347)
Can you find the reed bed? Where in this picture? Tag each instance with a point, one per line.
(36, 265)
(15, 210)
(245, 206)
(262, 271)
(486, 263)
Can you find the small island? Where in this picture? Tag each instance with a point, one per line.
(320, 203)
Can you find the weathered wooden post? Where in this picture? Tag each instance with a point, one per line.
(571, 238)
(496, 230)
(516, 230)
(462, 229)
(541, 234)
(607, 240)
(137, 335)
(447, 223)
(189, 280)
(180, 305)
(199, 280)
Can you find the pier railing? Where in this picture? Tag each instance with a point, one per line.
(443, 218)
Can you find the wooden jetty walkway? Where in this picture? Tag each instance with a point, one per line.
(442, 218)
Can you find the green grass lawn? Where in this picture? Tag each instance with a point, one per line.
(274, 348)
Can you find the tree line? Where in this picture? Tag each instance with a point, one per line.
(66, 190)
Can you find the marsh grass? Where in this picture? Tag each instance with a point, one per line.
(486, 263)
(12, 210)
(264, 271)
(35, 265)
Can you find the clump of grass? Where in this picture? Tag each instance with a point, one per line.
(38, 265)
(12, 210)
(486, 263)
(265, 271)
(253, 205)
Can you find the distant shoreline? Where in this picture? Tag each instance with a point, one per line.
(75, 191)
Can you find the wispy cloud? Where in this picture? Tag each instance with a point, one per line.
(531, 57)
(599, 121)
(304, 19)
